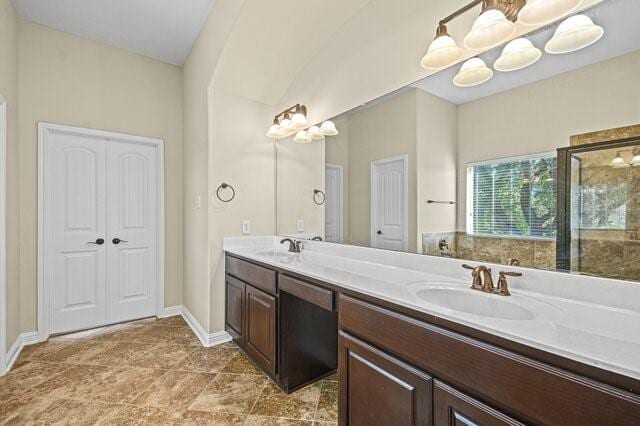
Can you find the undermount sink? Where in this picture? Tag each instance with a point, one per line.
(475, 303)
(275, 254)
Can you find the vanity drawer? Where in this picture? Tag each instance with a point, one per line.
(523, 387)
(311, 293)
(257, 276)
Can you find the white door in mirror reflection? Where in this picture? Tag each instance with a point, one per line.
(333, 204)
(389, 190)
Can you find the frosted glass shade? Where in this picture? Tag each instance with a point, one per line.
(274, 132)
(299, 121)
(472, 73)
(442, 52)
(541, 12)
(490, 29)
(328, 128)
(315, 133)
(635, 161)
(618, 162)
(574, 33)
(517, 54)
(302, 137)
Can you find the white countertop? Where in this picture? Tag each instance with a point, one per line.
(595, 321)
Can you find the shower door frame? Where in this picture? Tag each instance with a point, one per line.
(563, 212)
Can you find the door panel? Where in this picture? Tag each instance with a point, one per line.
(376, 388)
(333, 205)
(235, 308)
(261, 327)
(388, 204)
(76, 188)
(133, 216)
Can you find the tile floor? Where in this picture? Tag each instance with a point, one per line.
(151, 372)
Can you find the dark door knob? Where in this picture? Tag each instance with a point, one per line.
(379, 232)
(118, 241)
(99, 241)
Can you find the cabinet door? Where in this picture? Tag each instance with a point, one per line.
(453, 408)
(378, 389)
(235, 309)
(260, 337)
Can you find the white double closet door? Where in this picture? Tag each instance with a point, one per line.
(103, 216)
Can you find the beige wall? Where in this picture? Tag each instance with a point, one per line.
(9, 35)
(436, 163)
(71, 81)
(540, 117)
(300, 169)
(382, 131)
(198, 71)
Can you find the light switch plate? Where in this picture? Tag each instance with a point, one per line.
(300, 225)
(246, 227)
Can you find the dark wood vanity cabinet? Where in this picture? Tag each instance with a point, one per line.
(400, 367)
(260, 337)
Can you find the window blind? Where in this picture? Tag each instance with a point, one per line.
(514, 197)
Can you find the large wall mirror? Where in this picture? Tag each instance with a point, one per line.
(538, 167)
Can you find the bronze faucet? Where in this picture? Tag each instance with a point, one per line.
(294, 246)
(503, 286)
(483, 281)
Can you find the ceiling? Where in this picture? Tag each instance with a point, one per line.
(161, 29)
(622, 35)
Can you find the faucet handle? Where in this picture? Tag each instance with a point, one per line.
(476, 282)
(503, 286)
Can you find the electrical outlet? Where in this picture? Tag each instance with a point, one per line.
(300, 225)
(246, 226)
(197, 202)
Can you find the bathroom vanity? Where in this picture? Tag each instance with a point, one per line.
(402, 359)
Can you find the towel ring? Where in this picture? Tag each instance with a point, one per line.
(225, 186)
(315, 197)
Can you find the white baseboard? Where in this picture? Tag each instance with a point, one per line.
(207, 339)
(170, 311)
(24, 339)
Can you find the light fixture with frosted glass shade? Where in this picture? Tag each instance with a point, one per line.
(541, 12)
(275, 131)
(315, 133)
(328, 128)
(517, 54)
(443, 51)
(618, 162)
(299, 119)
(293, 121)
(302, 137)
(490, 29)
(472, 73)
(635, 161)
(574, 33)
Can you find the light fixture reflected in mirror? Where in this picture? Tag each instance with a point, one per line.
(574, 33)
(443, 51)
(302, 137)
(274, 131)
(635, 161)
(517, 54)
(489, 30)
(328, 128)
(618, 162)
(315, 133)
(472, 73)
(541, 12)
